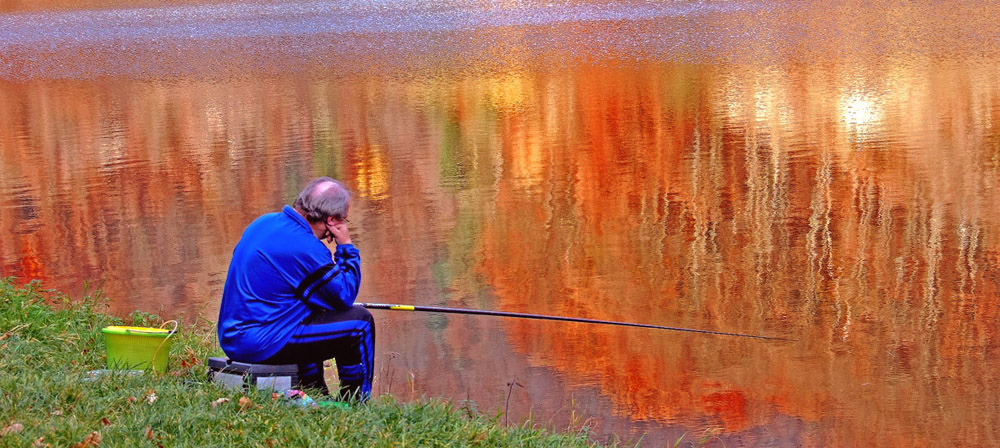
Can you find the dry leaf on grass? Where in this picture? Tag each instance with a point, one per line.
(105, 421)
(245, 403)
(11, 429)
(220, 401)
(190, 359)
(40, 443)
(92, 439)
(151, 396)
(149, 433)
(11, 332)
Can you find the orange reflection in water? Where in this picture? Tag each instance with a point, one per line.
(858, 218)
(666, 194)
(663, 204)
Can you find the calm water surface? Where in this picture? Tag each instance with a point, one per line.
(816, 170)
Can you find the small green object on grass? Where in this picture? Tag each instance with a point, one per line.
(138, 348)
(333, 404)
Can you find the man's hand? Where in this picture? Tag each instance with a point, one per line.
(338, 232)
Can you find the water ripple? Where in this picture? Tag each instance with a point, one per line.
(56, 29)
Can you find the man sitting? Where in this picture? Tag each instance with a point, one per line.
(287, 301)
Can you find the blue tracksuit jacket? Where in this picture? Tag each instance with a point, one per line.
(280, 272)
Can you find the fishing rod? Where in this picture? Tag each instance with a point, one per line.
(440, 309)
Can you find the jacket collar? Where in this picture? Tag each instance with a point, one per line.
(291, 213)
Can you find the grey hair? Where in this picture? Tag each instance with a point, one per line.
(317, 206)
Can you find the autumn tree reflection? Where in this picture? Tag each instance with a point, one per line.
(782, 200)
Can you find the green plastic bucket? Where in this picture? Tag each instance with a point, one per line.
(138, 348)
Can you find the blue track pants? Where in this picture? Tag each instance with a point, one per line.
(346, 336)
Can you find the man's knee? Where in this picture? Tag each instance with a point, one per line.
(359, 312)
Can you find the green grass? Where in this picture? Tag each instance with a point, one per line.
(48, 343)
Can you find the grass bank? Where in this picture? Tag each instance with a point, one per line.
(48, 343)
